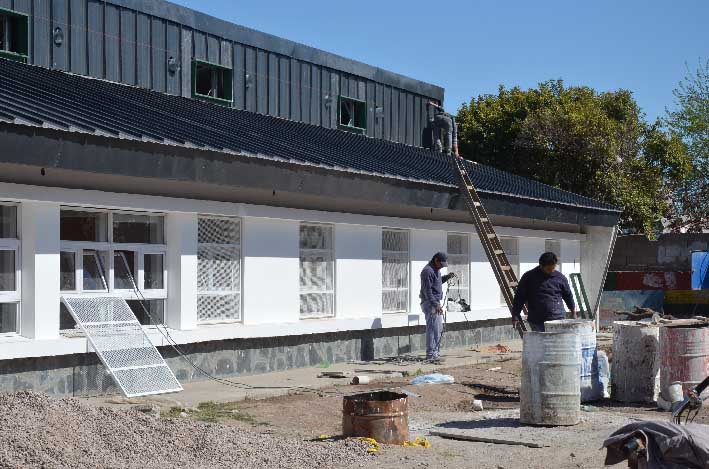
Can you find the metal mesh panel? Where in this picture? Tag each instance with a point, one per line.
(219, 270)
(317, 305)
(122, 345)
(219, 307)
(395, 270)
(218, 231)
(317, 271)
(459, 263)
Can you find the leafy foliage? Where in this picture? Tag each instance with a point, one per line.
(574, 138)
(689, 209)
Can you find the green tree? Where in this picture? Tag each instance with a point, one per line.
(690, 202)
(574, 138)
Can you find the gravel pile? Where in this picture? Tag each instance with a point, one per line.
(36, 430)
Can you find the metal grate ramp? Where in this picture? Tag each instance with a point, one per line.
(122, 345)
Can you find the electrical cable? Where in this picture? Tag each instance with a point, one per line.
(175, 346)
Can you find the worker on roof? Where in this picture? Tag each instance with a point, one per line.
(445, 129)
(431, 295)
(542, 289)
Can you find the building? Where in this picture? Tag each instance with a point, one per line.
(272, 201)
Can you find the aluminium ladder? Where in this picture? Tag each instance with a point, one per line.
(504, 274)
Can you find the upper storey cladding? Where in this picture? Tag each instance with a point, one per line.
(168, 48)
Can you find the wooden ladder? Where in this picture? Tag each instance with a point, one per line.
(504, 274)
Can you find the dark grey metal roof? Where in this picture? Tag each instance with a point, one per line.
(36, 96)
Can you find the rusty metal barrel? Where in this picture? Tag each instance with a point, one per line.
(550, 392)
(382, 415)
(636, 362)
(684, 356)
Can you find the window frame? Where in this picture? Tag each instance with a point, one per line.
(351, 128)
(14, 296)
(110, 248)
(333, 259)
(240, 248)
(408, 272)
(229, 70)
(12, 55)
(467, 238)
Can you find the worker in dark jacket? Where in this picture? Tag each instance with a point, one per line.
(431, 296)
(444, 127)
(543, 289)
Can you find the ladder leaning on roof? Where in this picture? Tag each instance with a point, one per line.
(504, 274)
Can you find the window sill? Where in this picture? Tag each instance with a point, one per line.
(354, 130)
(212, 99)
(13, 56)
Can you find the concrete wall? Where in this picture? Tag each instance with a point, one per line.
(670, 252)
(594, 255)
(270, 274)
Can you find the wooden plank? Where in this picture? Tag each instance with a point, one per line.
(283, 87)
(60, 19)
(395, 115)
(295, 90)
(325, 83)
(417, 121)
(386, 121)
(361, 89)
(370, 97)
(41, 33)
(186, 48)
(250, 79)
(158, 48)
(7, 4)
(128, 46)
(353, 88)
(379, 102)
(172, 39)
(409, 119)
(77, 44)
(262, 82)
(143, 71)
(402, 116)
(499, 441)
(113, 43)
(273, 84)
(200, 45)
(96, 37)
(226, 54)
(238, 67)
(334, 93)
(306, 90)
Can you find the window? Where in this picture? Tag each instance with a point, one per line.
(352, 114)
(9, 271)
(511, 248)
(114, 252)
(14, 39)
(317, 271)
(218, 269)
(395, 271)
(211, 81)
(459, 263)
(553, 245)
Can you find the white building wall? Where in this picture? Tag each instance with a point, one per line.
(39, 237)
(358, 271)
(570, 257)
(271, 267)
(271, 274)
(594, 254)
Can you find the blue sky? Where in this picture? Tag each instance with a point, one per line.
(471, 47)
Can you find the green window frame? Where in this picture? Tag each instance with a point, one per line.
(224, 86)
(351, 114)
(14, 35)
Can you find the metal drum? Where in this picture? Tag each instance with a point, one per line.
(382, 415)
(550, 391)
(636, 362)
(684, 356)
(591, 387)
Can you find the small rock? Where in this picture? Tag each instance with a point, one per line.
(500, 467)
(477, 405)
(184, 414)
(573, 455)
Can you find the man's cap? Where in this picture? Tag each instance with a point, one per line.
(443, 257)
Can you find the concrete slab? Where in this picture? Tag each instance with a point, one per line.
(301, 380)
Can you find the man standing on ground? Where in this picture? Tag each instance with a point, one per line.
(444, 126)
(543, 289)
(431, 296)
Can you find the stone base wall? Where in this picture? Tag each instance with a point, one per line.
(84, 375)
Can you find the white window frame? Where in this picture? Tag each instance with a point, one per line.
(464, 287)
(14, 297)
(514, 262)
(407, 254)
(240, 285)
(109, 247)
(333, 259)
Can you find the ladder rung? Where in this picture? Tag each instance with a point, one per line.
(499, 251)
(505, 267)
(491, 235)
(477, 204)
(512, 284)
(484, 220)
